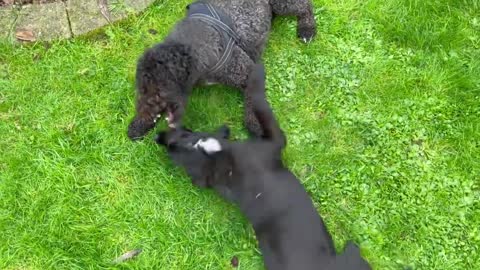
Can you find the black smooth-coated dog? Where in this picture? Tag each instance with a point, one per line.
(290, 232)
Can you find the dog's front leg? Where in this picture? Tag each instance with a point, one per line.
(175, 111)
(251, 121)
(254, 90)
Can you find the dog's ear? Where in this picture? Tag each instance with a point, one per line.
(223, 132)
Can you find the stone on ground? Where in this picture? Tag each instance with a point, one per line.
(64, 19)
(85, 16)
(7, 20)
(138, 5)
(120, 9)
(46, 21)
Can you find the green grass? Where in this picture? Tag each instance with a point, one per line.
(382, 114)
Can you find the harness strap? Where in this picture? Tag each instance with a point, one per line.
(216, 23)
(226, 55)
(221, 22)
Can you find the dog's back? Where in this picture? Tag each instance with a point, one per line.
(251, 22)
(349, 259)
(252, 19)
(291, 233)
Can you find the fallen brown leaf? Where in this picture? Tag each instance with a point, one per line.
(234, 261)
(6, 2)
(127, 256)
(25, 35)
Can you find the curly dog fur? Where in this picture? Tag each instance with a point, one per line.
(167, 72)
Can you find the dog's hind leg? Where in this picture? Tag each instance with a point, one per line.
(263, 112)
(251, 121)
(236, 74)
(303, 10)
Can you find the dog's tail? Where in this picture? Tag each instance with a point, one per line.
(263, 112)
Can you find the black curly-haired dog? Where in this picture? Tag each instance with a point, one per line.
(217, 42)
(290, 232)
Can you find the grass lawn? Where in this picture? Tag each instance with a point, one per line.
(382, 114)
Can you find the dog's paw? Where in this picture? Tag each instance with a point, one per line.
(256, 79)
(255, 130)
(138, 128)
(307, 33)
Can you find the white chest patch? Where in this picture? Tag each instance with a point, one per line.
(209, 145)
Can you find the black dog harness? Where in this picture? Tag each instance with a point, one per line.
(221, 22)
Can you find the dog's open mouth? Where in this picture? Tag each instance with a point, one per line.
(139, 127)
(169, 118)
